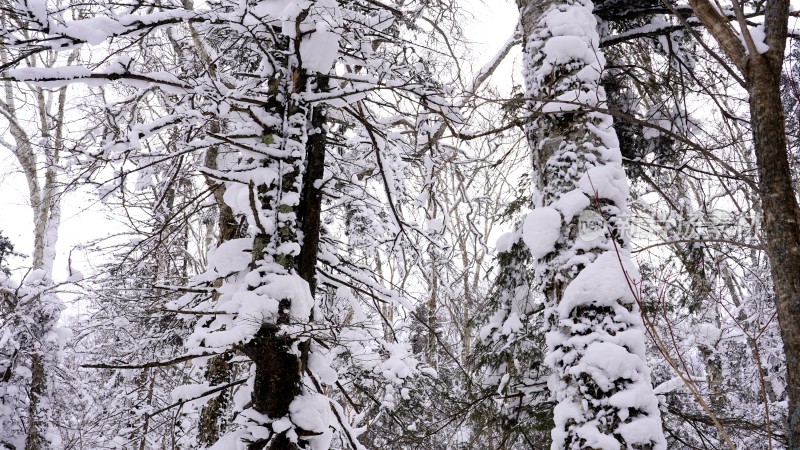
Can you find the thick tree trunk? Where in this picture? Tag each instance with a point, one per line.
(38, 394)
(277, 381)
(38, 153)
(594, 322)
(778, 199)
(310, 210)
(218, 372)
(781, 219)
(279, 366)
(212, 421)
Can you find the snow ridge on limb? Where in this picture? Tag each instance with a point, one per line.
(596, 337)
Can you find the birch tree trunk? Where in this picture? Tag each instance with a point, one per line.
(596, 336)
(32, 316)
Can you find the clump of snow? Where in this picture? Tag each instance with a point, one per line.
(604, 282)
(707, 334)
(495, 321)
(75, 277)
(250, 308)
(319, 364)
(93, 30)
(572, 37)
(399, 365)
(565, 412)
(642, 430)
(231, 441)
(312, 412)
(571, 203)
(512, 324)
(319, 50)
(36, 276)
(435, 226)
(243, 396)
(506, 241)
(674, 383)
(606, 181)
(759, 39)
(231, 256)
(49, 73)
(595, 439)
(237, 194)
(189, 392)
(58, 335)
(541, 231)
(607, 362)
(288, 248)
(293, 288)
(602, 126)
(571, 101)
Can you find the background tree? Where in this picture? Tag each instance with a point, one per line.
(41, 138)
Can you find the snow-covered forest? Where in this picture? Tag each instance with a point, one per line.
(345, 224)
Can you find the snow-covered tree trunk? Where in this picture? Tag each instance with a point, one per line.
(287, 257)
(34, 312)
(281, 197)
(596, 338)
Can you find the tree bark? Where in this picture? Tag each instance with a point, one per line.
(212, 423)
(592, 312)
(277, 380)
(310, 210)
(279, 366)
(39, 163)
(781, 219)
(780, 209)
